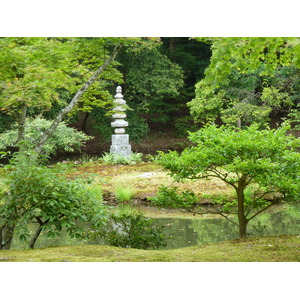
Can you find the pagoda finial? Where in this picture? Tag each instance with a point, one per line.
(119, 114)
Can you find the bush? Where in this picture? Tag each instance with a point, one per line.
(171, 197)
(138, 127)
(44, 196)
(64, 137)
(113, 159)
(131, 230)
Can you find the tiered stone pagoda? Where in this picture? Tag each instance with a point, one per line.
(120, 141)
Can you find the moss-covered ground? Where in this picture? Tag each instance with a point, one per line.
(267, 249)
(144, 178)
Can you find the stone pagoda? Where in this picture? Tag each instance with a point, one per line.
(120, 141)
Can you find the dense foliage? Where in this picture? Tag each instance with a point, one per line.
(113, 159)
(150, 79)
(249, 80)
(193, 57)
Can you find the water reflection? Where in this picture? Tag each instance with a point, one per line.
(203, 230)
(200, 231)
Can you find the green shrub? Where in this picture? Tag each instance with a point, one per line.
(44, 196)
(171, 197)
(88, 158)
(101, 123)
(113, 159)
(131, 230)
(64, 137)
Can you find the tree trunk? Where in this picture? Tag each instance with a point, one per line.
(172, 44)
(6, 233)
(47, 134)
(84, 122)
(241, 211)
(35, 237)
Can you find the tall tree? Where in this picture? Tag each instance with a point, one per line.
(192, 56)
(35, 70)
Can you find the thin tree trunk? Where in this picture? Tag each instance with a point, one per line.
(75, 100)
(1, 237)
(84, 122)
(241, 209)
(35, 237)
(7, 233)
(38, 232)
(1, 243)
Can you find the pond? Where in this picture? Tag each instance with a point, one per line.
(200, 230)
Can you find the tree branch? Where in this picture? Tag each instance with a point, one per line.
(226, 217)
(214, 212)
(221, 176)
(75, 100)
(261, 211)
(258, 198)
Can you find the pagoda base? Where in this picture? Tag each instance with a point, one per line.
(120, 145)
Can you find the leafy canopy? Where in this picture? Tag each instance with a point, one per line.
(151, 78)
(247, 79)
(36, 71)
(268, 157)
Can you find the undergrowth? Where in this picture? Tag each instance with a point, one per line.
(124, 193)
(113, 159)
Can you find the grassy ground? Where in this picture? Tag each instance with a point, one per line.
(268, 249)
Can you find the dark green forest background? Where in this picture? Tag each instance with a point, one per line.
(158, 82)
(172, 85)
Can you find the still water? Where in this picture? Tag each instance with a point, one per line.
(200, 230)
